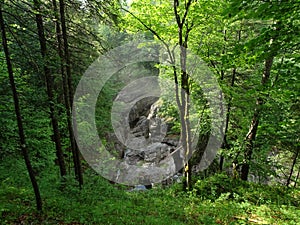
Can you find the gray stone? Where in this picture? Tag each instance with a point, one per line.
(140, 188)
(156, 152)
(140, 108)
(136, 143)
(141, 128)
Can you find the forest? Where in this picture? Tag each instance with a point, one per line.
(150, 112)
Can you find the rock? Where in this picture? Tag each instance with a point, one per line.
(154, 109)
(132, 157)
(141, 128)
(156, 152)
(136, 143)
(140, 108)
(146, 173)
(146, 147)
(157, 129)
(140, 188)
(171, 141)
(177, 178)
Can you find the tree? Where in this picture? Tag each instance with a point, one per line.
(251, 135)
(292, 168)
(50, 89)
(18, 114)
(277, 39)
(63, 51)
(178, 23)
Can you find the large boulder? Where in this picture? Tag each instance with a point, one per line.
(141, 128)
(141, 108)
(156, 152)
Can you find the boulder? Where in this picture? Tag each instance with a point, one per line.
(156, 152)
(141, 128)
(157, 129)
(140, 108)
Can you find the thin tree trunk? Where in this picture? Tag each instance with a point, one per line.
(225, 126)
(69, 88)
(292, 168)
(62, 71)
(18, 115)
(297, 177)
(185, 122)
(184, 107)
(225, 145)
(49, 84)
(250, 137)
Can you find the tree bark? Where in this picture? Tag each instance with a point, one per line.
(62, 70)
(68, 91)
(184, 106)
(225, 144)
(292, 168)
(250, 137)
(49, 84)
(18, 115)
(297, 177)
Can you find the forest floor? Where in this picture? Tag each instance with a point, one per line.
(215, 200)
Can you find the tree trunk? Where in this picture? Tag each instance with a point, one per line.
(68, 91)
(49, 84)
(184, 106)
(62, 70)
(18, 115)
(292, 168)
(250, 137)
(297, 177)
(184, 120)
(225, 145)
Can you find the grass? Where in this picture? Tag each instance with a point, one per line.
(216, 200)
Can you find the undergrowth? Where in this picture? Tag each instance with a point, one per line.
(215, 200)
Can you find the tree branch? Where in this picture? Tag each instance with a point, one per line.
(146, 26)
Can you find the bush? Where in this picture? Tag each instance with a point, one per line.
(222, 186)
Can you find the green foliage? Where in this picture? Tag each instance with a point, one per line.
(229, 36)
(216, 200)
(222, 187)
